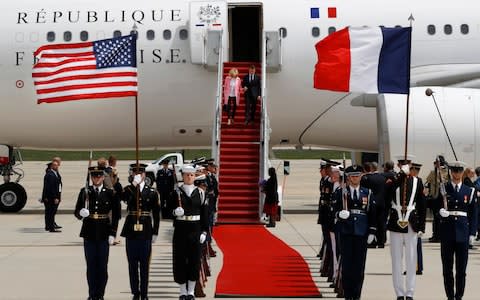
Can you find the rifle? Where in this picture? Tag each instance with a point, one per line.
(87, 182)
(441, 183)
(344, 185)
(175, 184)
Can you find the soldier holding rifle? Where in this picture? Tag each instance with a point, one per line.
(95, 203)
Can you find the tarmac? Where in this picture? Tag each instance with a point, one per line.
(35, 264)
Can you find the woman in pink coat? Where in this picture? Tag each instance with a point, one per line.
(231, 93)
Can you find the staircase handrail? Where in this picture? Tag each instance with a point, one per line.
(218, 104)
(264, 125)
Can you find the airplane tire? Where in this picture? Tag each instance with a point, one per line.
(13, 197)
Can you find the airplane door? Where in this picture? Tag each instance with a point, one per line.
(206, 16)
(245, 32)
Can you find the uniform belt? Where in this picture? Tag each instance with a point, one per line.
(98, 216)
(457, 213)
(357, 212)
(142, 213)
(189, 218)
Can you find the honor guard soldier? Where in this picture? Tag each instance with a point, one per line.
(212, 196)
(165, 186)
(94, 205)
(356, 225)
(406, 222)
(140, 229)
(191, 226)
(414, 171)
(457, 228)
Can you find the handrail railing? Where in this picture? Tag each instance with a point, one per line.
(218, 104)
(265, 123)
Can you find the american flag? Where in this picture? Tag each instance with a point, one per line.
(89, 70)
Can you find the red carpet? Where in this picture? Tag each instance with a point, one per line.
(258, 264)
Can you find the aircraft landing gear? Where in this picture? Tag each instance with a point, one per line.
(13, 196)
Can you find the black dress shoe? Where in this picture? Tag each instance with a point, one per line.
(401, 298)
(190, 297)
(419, 272)
(54, 230)
(182, 297)
(408, 298)
(56, 226)
(136, 297)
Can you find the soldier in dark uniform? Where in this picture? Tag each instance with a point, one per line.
(165, 183)
(376, 182)
(212, 196)
(324, 177)
(406, 222)
(191, 226)
(143, 206)
(457, 228)
(98, 230)
(356, 224)
(415, 170)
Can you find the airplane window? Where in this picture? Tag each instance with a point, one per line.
(283, 32)
(83, 35)
(464, 28)
(67, 36)
(331, 30)
(133, 31)
(117, 33)
(183, 34)
(150, 35)
(431, 29)
(315, 31)
(50, 36)
(447, 29)
(167, 34)
(398, 26)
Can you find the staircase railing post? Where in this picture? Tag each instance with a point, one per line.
(218, 106)
(264, 126)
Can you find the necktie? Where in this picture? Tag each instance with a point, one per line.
(251, 77)
(355, 196)
(97, 191)
(456, 188)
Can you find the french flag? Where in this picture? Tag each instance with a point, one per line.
(368, 60)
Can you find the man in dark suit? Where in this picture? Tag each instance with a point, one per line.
(98, 229)
(252, 88)
(51, 196)
(140, 229)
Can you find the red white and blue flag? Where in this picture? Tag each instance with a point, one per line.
(364, 59)
(89, 70)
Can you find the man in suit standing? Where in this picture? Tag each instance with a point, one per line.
(165, 186)
(52, 189)
(252, 89)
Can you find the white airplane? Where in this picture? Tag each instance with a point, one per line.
(178, 82)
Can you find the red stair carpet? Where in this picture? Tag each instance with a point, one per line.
(238, 201)
(258, 264)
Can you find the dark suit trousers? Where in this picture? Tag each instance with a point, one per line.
(138, 255)
(231, 107)
(449, 249)
(250, 107)
(381, 225)
(50, 211)
(354, 254)
(186, 251)
(96, 255)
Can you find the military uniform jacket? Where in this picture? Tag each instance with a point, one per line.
(101, 204)
(416, 218)
(195, 205)
(326, 190)
(362, 220)
(148, 204)
(212, 191)
(165, 180)
(458, 228)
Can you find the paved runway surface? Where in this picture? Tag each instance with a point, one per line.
(35, 264)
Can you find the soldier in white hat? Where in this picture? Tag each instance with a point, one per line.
(191, 226)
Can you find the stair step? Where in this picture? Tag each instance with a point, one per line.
(239, 178)
(238, 151)
(223, 206)
(245, 221)
(234, 145)
(240, 187)
(237, 171)
(243, 138)
(252, 214)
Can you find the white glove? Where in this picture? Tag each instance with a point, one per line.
(371, 238)
(420, 234)
(111, 239)
(344, 214)
(154, 238)
(470, 240)
(84, 212)
(179, 212)
(137, 179)
(203, 237)
(405, 169)
(444, 213)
